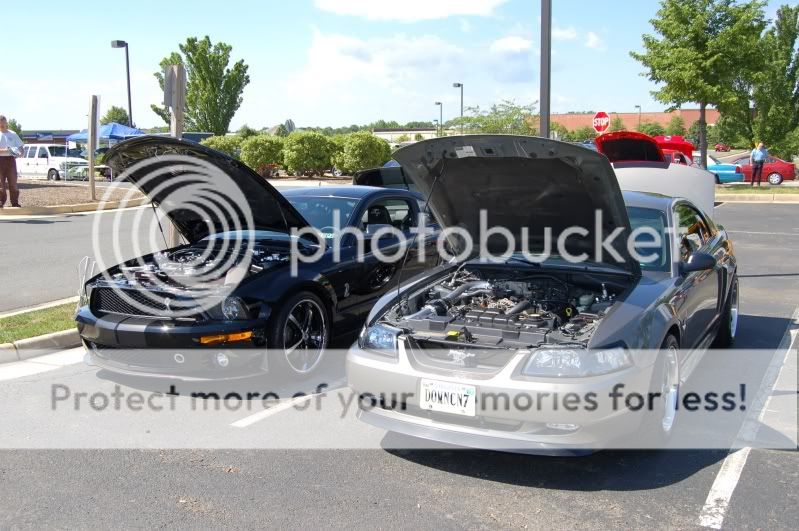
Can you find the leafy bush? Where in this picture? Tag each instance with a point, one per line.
(259, 152)
(651, 129)
(228, 144)
(361, 151)
(308, 152)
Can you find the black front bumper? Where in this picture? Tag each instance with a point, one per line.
(171, 349)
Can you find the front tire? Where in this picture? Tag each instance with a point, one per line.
(775, 179)
(299, 335)
(660, 421)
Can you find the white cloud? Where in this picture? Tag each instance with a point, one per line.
(466, 26)
(564, 34)
(409, 10)
(511, 44)
(594, 41)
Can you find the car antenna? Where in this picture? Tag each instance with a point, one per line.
(415, 236)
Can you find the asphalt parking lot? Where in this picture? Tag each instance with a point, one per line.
(167, 469)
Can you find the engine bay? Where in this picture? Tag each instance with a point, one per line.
(505, 311)
(203, 264)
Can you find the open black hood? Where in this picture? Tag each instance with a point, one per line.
(522, 181)
(162, 178)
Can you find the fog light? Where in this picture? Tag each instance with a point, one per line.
(563, 427)
(222, 360)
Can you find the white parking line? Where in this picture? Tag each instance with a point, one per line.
(718, 499)
(261, 415)
(763, 233)
(50, 362)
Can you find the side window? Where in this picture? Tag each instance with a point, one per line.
(395, 212)
(43, 154)
(742, 161)
(770, 160)
(32, 152)
(692, 231)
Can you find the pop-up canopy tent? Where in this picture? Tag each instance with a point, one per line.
(112, 131)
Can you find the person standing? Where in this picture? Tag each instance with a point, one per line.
(757, 158)
(10, 149)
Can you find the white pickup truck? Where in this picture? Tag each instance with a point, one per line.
(48, 161)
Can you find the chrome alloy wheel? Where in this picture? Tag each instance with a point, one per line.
(305, 336)
(670, 388)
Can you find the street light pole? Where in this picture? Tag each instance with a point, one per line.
(123, 44)
(440, 118)
(639, 115)
(460, 86)
(546, 62)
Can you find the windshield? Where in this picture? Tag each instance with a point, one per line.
(62, 151)
(653, 258)
(321, 211)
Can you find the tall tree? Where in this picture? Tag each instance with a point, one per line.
(701, 47)
(213, 88)
(115, 115)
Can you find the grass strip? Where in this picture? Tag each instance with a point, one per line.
(37, 323)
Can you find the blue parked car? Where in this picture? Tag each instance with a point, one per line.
(725, 173)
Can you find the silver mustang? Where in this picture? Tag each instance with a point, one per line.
(528, 348)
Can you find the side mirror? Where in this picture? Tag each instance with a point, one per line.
(698, 262)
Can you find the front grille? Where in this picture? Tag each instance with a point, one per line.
(459, 356)
(134, 302)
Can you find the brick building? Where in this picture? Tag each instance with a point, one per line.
(630, 119)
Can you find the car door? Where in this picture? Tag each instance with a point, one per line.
(698, 295)
(382, 260)
(23, 161)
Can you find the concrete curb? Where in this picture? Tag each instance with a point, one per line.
(38, 346)
(69, 209)
(757, 198)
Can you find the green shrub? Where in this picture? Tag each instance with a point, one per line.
(259, 152)
(305, 151)
(362, 150)
(228, 144)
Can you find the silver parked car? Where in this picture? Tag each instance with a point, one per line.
(475, 351)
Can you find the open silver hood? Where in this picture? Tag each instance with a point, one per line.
(245, 200)
(522, 182)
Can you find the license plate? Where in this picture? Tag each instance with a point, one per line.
(447, 397)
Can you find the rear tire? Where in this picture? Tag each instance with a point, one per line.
(774, 179)
(299, 335)
(725, 337)
(53, 175)
(718, 181)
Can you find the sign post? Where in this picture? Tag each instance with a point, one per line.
(175, 99)
(92, 145)
(601, 122)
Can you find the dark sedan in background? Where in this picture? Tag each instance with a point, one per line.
(271, 320)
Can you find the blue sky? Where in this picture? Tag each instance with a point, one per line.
(328, 62)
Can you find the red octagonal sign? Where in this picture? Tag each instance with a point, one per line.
(601, 122)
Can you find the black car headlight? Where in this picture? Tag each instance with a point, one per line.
(575, 362)
(379, 338)
(234, 309)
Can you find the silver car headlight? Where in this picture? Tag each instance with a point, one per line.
(233, 308)
(380, 338)
(576, 362)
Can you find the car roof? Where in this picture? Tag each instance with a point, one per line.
(349, 191)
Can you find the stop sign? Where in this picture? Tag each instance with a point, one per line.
(601, 122)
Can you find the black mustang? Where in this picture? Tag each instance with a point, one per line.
(272, 318)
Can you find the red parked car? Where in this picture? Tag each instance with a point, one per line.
(721, 147)
(774, 170)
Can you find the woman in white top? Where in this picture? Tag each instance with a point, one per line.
(10, 149)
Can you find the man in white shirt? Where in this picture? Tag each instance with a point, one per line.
(10, 149)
